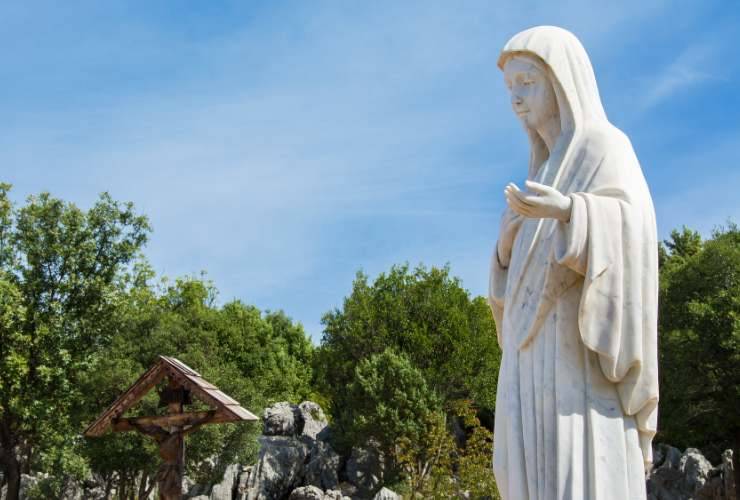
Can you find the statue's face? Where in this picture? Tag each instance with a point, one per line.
(532, 96)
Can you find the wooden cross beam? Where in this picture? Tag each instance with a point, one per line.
(169, 430)
(165, 421)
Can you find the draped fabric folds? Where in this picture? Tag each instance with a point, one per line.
(576, 307)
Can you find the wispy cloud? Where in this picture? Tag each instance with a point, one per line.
(285, 148)
(687, 70)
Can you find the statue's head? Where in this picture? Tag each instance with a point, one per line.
(557, 57)
(550, 72)
(533, 97)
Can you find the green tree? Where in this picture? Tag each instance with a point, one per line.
(388, 400)
(434, 466)
(61, 279)
(700, 341)
(424, 314)
(254, 357)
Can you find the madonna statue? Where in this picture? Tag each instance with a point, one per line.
(573, 290)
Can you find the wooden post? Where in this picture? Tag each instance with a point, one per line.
(172, 447)
(169, 430)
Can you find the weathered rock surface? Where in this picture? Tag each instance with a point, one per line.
(281, 419)
(225, 489)
(322, 469)
(386, 494)
(335, 495)
(689, 476)
(307, 493)
(294, 453)
(365, 469)
(312, 418)
(279, 470)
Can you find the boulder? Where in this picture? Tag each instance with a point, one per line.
(348, 490)
(322, 469)
(366, 469)
(305, 420)
(386, 494)
(695, 469)
(688, 476)
(281, 419)
(279, 470)
(307, 493)
(224, 490)
(314, 420)
(335, 495)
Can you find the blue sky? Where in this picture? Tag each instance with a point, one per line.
(283, 146)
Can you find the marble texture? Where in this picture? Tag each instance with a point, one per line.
(573, 290)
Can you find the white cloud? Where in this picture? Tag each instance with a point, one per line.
(315, 141)
(687, 70)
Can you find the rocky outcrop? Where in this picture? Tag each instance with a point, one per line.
(279, 470)
(386, 494)
(365, 469)
(689, 476)
(296, 460)
(307, 493)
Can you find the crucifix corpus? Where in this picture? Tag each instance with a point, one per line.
(169, 430)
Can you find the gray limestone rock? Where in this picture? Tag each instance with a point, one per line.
(279, 470)
(695, 469)
(348, 490)
(313, 418)
(322, 469)
(224, 490)
(687, 476)
(335, 495)
(307, 493)
(241, 482)
(281, 419)
(285, 419)
(366, 469)
(386, 494)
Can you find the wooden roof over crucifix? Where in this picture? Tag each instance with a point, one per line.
(225, 409)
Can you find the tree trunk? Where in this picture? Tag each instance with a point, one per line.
(12, 469)
(122, 486)
(143, 495)
(108, 486)
(736, 464)
(10, 461)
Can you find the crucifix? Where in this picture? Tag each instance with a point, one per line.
(169, 430)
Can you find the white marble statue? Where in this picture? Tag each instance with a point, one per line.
(573, 289)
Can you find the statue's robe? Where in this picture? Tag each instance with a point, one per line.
(576, 317)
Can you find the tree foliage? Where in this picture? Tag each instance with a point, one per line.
(436, 467)
(424, 314)
(256, 358)
(388, 400)
(59, 277)
(82, 316)
(700, 340)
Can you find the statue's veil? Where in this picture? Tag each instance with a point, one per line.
(573, 81)
(620, 281)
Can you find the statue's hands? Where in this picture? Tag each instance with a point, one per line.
(544, 202)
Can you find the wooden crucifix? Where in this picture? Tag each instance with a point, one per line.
(169, 430)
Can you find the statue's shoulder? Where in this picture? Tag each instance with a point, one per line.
(606, 139)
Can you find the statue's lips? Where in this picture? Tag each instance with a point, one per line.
(521, 112)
